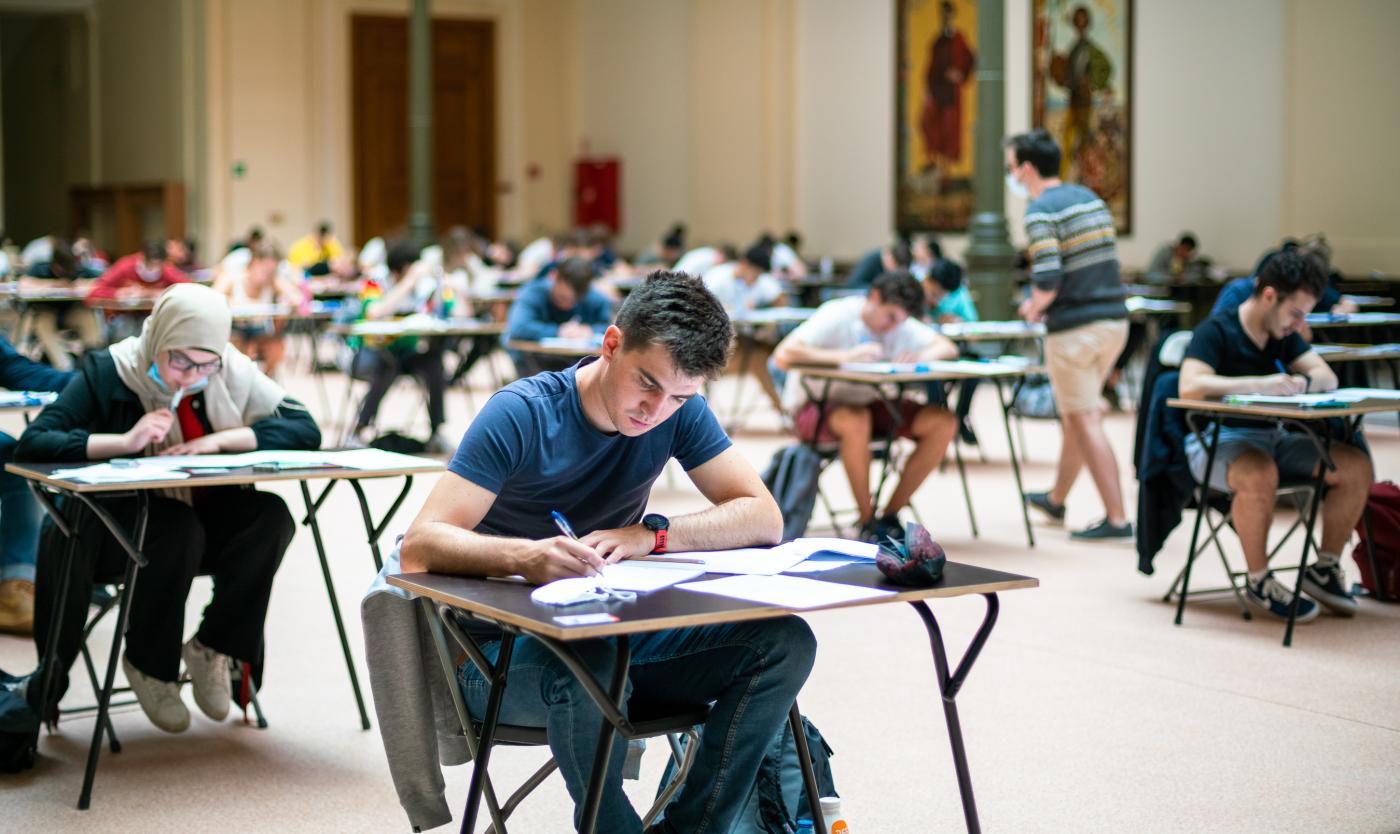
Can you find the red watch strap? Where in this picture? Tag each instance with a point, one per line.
(660, 542)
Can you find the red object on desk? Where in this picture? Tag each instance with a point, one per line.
(597, 192)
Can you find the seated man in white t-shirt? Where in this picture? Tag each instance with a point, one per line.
(883, 325)
(745, 285)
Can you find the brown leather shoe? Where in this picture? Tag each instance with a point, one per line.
(17, 606)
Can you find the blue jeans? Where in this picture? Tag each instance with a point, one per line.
(751, 671)
(19, 520)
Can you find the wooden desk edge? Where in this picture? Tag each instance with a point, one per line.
(220, 480)
(1284, 411)
(758, 612)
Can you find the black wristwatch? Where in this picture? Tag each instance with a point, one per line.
(657, 524)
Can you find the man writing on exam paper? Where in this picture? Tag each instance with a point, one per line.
(1256, 349)
(589, 442)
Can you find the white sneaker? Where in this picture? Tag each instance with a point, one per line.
(209, 678)
(159, 699)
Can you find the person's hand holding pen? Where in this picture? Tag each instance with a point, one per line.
(560, 557)
(1287, 384)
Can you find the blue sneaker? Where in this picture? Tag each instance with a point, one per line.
(1268, 596)
(1327, 584)
(1041, 501)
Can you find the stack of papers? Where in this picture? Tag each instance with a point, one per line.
(579, 344)
(20, 399)
(1334, 399)
(766, 561)
(787, 591)
(179, 467)
(645, 577)
(943, 366)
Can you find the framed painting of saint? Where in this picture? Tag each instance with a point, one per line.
(1081, 92)
(935, 113)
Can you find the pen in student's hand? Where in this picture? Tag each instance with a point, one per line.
(568, 529)
(1307, 380)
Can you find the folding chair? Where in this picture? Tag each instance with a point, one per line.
(647, 721)
(1218, 518)
(105, 598)
(880, 449)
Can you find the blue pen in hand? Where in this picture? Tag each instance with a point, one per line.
(568, 529)
(1307, 381)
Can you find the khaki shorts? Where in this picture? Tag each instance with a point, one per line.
(1078, 361)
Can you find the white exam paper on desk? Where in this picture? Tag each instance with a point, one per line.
(765, 561)
(106, 473)
(788, 591)
(363, 459)
(645, 577)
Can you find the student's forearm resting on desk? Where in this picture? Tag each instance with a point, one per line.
(441, 540)
(1308, 372)
(743, 514)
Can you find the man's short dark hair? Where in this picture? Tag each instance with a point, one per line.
(899, 287)
(1290, 271)
(576, 273)
(675, 310)
(324, 228)
(793, 239)
(401, 256)
(759, 256)
(675, 237)
(947, 275)
(1038, 148)
(1188, 240)
(901, 254)
(62, 263)
(153, 251)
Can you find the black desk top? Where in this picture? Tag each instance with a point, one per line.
(509, 602)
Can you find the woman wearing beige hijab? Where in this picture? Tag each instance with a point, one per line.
(179, 388)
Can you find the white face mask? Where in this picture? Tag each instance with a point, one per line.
(1017, 188)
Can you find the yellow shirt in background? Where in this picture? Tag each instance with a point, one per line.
(306, 253)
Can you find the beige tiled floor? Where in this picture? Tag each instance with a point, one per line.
(1089, 710)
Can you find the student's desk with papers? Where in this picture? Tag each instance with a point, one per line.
(992, 331)
(1306, 413)
(25, 402)
(891, 381)
(85, 485)
(509, 606)
(562, 348)
(1369, 300)
(1323, 321)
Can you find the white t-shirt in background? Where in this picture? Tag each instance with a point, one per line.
(737, 296)
(837, 325)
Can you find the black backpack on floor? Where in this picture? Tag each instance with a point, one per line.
(19, 725)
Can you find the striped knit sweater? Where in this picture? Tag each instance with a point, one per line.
(1073, 252)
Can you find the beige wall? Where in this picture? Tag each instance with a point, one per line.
(139, 89)
(1198, 146)
(1342, 120)
(742, 115)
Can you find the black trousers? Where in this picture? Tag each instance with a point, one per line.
(381, 367)
(234, 534)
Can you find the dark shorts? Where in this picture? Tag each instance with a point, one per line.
(881, 421)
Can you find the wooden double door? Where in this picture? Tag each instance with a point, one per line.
(464, 124)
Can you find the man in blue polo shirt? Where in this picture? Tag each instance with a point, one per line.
(589, 442)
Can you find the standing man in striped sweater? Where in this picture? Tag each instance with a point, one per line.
(1077, 291)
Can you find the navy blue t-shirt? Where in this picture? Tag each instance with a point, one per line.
(534, 448)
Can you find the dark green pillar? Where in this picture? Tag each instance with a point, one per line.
(420, 124)
(990, 257)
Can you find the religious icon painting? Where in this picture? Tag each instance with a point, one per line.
(1081, 92)
(935, 113)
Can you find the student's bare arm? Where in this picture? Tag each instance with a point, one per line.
(1199, 381)
(743, 514)
(1320, 375)
(441, 540)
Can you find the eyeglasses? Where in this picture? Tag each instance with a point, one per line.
(181, 362)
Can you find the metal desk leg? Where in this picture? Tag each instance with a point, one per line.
(588, 823)
(135, 560)
(330, 594)
(1202, 497)
(374, 531)
(1318, 486)
(962, 476)
(804, 761)
(1015, 461)
(948, 686)
(487, 738)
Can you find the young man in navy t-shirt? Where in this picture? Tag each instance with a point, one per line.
(1256, 349)
(589, 442)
